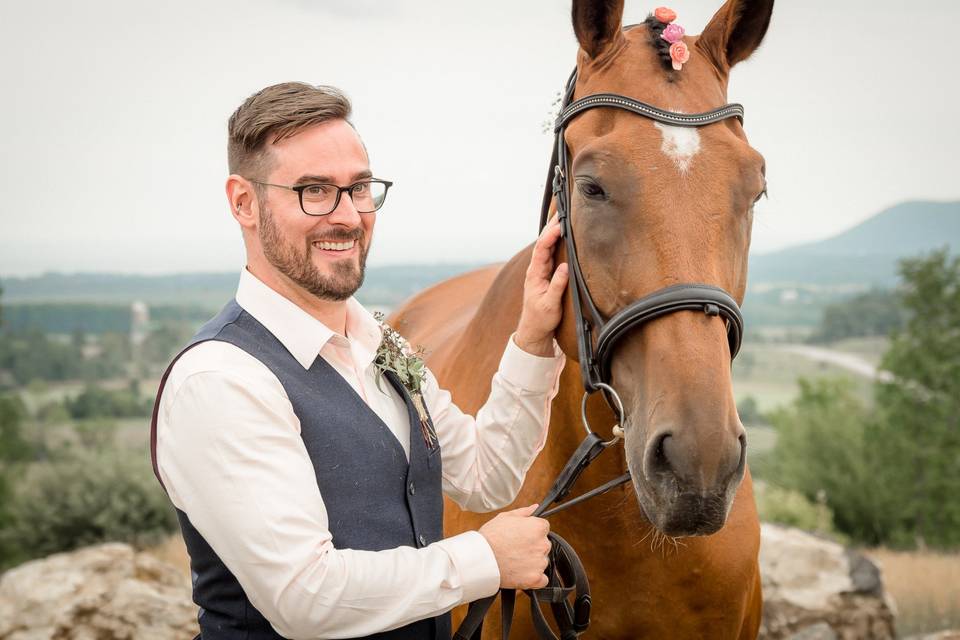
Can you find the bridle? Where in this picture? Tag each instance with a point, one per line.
(567, 577)
(713, 301)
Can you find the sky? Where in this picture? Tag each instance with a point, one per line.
(114, 119)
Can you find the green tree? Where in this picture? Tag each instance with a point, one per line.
(96, 402)
(918, 433)
(889, 473)
(822, 452)
(874, 313)
(13, 447)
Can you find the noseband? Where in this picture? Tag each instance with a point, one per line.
(711, 300)
(567, 577)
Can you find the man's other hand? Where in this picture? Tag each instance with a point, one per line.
(520, 544)
(542, 292)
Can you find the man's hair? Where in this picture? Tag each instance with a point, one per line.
(274, 113)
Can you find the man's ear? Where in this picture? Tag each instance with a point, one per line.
(243, 201)
(735, 32)
(597, 24)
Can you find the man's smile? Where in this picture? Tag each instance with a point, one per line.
(343, 248)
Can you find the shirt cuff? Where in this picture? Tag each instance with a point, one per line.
(475, 564)
(530, 372)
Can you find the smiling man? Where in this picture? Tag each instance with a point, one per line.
(308, 489)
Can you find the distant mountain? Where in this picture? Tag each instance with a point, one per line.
(867, 254)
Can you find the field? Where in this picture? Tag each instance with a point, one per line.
(768, 372)
(925, 586)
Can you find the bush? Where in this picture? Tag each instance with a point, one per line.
(96, 434)
(822, 453)
(13, 446)
(793, 509)
(749, 412)
(84, 498)
(95, 402)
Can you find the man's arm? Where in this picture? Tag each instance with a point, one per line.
(485, 460)
(231, 457)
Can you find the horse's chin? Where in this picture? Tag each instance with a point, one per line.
(677, 514)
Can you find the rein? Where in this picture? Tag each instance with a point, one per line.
(565, 573)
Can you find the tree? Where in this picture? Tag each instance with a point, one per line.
(874, 313)
(822, 452)
(919, 427)
(13, 447)
(888, 472)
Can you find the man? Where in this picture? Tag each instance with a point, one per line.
(307, 488)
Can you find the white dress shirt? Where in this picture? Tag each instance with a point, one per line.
(230, 455)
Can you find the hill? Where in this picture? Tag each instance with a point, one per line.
(788, 288)
(865, 255)
(383, 286)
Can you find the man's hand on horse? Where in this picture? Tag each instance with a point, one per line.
(542, 294)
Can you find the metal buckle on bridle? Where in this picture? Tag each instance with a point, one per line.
(557, 179)
(608, 392)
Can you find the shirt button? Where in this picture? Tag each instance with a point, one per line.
(413, 489)
(423, 540)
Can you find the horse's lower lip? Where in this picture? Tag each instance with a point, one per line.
(683, 514)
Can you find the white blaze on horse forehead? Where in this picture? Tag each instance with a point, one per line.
(680, 144)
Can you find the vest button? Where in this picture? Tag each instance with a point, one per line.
(413, 488)
(423, 540)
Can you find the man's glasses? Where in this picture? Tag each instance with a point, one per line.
(320, 199)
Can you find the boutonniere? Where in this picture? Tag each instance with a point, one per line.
(394, 355)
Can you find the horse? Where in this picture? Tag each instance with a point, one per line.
(673, 553)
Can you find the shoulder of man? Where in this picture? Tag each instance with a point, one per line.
(213, 358)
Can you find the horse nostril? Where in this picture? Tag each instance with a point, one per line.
(657, 459)
(743, 454)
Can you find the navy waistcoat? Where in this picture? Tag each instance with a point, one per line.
(374, 498)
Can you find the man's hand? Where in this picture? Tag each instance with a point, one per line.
(520, 544)
(542, 291)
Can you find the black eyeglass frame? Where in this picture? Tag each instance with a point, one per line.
(336, 203)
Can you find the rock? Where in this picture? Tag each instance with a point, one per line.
(815, 589)
(107, 591)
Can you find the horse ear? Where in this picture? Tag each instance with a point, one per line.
(597, 24)
(735, 31)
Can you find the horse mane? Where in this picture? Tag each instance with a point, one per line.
(654, 29)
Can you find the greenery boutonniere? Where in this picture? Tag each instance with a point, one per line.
(393, 355)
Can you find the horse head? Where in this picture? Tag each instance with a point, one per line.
(653, 205)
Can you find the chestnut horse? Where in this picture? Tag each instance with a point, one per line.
(651, 206)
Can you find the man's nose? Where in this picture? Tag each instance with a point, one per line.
(345, 212)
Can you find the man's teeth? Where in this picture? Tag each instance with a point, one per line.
(335, 246)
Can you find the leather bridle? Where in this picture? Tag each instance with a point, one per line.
(566, 575)
(713, 301)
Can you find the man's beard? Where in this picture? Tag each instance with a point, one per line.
(298, 266)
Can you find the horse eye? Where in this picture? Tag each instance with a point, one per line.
(762, 194)
(590, 189)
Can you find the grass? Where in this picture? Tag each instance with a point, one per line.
(925, 586)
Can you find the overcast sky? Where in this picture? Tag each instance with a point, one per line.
(114, 118)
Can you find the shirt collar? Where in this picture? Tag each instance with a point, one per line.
(302, 334)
